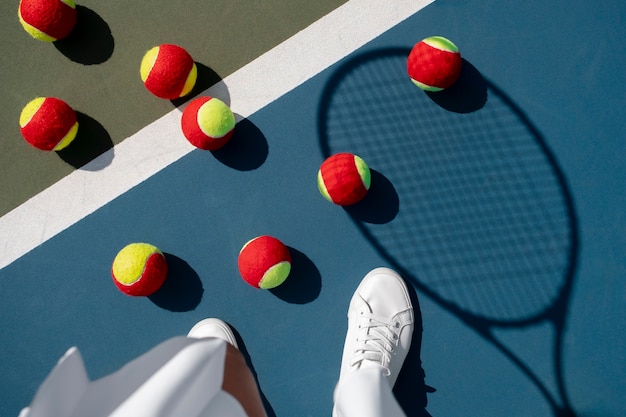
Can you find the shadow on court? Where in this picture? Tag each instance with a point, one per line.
(479, 215)
(92, 141)
(90, 42)
(304, 283)
(182, 290)
(247, 150)
(206, 78)
(380, 205)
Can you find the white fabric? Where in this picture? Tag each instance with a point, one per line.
(366, 392)
(179, 377)
(62, 389)
(183, 377)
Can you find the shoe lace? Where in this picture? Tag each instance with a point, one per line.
(377, 343)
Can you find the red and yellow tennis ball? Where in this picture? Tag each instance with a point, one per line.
(48, 123)
(139, 269)
(208, 123)
(434, 63)
(168, 71)
(47, 20)
(264, 262)
(344, 179)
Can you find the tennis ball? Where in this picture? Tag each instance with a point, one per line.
(168, 71)
(48, 123)
(264, 262)
(208, 123)
(47, 20)
(139, 269)
(434, 63)
(344, 179)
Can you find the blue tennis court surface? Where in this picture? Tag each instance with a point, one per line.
(558, 63)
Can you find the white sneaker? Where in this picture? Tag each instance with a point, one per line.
(213, 328)
(380, 325)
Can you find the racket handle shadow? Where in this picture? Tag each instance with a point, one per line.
(410, 389)
(562, 409)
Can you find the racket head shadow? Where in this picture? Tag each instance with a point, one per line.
(484, 223)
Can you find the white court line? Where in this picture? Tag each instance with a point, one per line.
(161, 143)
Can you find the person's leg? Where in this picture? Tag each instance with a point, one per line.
(380, 327)
(238, 378)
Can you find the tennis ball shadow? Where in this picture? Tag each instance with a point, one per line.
(410, 389)
(92, 141)
(468, 94)
(90, 42)
(206, 78)
(182, 290)
(381, 203)
(246, 150)
(304, 282)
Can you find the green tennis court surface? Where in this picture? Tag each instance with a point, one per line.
(97, 72)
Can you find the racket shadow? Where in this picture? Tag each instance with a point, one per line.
(485, 224)
(410, 389)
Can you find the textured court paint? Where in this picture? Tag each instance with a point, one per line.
(161, 143)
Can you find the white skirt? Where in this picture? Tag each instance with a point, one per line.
(179, 377)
